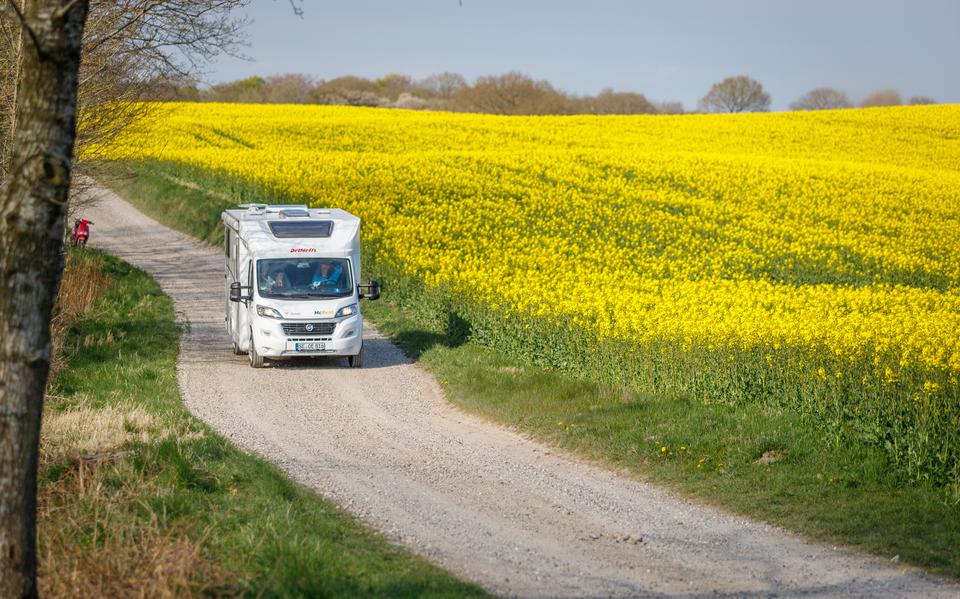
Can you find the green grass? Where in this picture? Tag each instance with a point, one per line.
(827, 486)
(172, 493)
(172, 198)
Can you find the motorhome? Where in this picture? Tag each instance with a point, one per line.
(292, 282)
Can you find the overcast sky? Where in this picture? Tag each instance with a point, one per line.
(666, 49)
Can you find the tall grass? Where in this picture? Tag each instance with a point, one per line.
(83, 283)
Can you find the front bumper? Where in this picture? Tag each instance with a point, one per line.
(272, 342)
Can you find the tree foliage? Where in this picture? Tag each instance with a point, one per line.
(821, 98)
(511, 93)
(736, 94)
(609, 101)
(442, 85)
(882, 97)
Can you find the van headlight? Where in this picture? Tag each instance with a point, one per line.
(346, 311)
(268, 312)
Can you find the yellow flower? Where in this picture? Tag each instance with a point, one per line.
(836, 233)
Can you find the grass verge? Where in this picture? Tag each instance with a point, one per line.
(139, 498)
(763, 461)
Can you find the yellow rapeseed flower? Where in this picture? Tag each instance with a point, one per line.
(834, 231)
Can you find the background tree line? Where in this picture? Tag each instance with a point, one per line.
(743, 94)
(512, 93)
(509, 93)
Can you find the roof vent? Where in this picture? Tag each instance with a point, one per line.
(294, 213)
(294, 229)
(254, 208)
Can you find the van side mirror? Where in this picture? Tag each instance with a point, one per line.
(236, 292)
(372, 290)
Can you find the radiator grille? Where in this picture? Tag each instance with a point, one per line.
(309, 328)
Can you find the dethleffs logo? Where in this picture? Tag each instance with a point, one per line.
(302, 250)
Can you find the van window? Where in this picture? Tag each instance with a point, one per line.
(234, 261)
(226, 241)
(304, 278)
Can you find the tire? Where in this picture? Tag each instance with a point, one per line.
(357, 360)
(237, 351)
(256, 360)
(82, 242)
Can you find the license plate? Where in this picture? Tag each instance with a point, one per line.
(311, 346)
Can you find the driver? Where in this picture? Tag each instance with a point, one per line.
(327, 273)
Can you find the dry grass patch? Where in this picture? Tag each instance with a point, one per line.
(67, 436)
(100, 537)
(82, 285)
(96, 541)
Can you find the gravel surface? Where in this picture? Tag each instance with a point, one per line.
(486, 503)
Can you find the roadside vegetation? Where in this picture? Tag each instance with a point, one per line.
(139, 498)
(767, 460)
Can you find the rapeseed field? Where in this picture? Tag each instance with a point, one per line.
(809, 260)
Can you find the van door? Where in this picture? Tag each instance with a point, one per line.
(231, 274)
(242, 320)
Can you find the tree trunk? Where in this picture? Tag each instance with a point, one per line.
(32, 209)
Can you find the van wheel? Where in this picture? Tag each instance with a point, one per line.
(237, 351)
(357, 360)
(256, 360)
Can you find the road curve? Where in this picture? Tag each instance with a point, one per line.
(481, 501)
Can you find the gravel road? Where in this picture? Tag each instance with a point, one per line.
(481, 501)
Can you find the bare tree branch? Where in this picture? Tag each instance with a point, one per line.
(26, 27)
(130, 49)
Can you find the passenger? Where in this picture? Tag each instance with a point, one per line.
(278, 280)
(327, 273)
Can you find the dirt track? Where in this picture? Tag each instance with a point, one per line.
(483, 502)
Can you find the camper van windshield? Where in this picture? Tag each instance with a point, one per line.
(304, 278)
